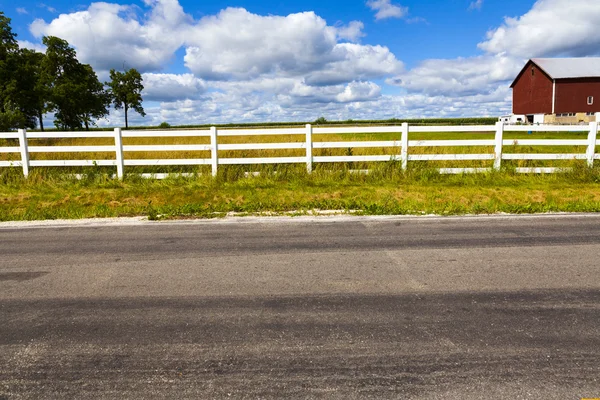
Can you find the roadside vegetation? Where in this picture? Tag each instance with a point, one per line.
(290, 190)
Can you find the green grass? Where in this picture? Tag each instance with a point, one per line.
(386, 190)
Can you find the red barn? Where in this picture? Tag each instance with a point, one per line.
(564, 90)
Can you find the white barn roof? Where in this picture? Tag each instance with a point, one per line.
(563, 68)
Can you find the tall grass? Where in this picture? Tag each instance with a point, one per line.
(290, 189)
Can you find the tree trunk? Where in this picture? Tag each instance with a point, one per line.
(41, 117)
(87, 127)
(126, 125)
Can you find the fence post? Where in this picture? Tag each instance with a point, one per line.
(404, 144)
(591, 148)
(214, 150)
(498, 145)
(309, 148)
(119, 153)
(24, 151)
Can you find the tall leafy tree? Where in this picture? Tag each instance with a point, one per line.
(8, 39)
(29, 88)
(126, 91)
(94, 100)
(77, 96)
(10, 115)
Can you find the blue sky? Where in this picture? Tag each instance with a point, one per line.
(234, 61)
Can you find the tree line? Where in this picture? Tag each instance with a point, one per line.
(33, 84)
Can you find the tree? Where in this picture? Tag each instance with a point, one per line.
(126, 91)
(94, 100)
(23, 94)
(8, 39)
(77, 96)
(28, 88)
(10, 116)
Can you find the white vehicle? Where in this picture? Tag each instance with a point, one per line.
(513, 119)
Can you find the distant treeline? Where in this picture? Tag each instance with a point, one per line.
(382, 122)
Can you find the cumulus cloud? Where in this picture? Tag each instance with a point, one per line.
(385, 9)
(215, 107)
(354, 91)
(460, 76)
(550, 28)
(352, 32)
(234, 44)
(170, 87)
(237, 44)
(352, 61)
(107, 35)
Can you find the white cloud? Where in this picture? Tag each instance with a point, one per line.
(354, 91)
(24, 44)
(352, 61)
(352, 32)
(22, 10)
(217, 107)
(170, 87)
(385, 9)
(236, 44)
(460, 76)
(550, 28)
(476, 5)
(108, 35)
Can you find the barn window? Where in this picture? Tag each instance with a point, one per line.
(590, 100)
(532, 71)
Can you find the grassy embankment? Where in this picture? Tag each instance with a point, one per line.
(48, 194)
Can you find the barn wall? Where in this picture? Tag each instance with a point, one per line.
(572, 94)
(532, 94)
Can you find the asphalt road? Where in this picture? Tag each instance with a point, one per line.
(439, 308)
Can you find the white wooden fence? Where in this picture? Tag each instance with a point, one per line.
(400, 146)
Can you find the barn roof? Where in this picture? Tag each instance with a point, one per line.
(563, 68)
(566, 68)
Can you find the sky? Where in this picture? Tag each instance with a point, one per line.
(268, 60)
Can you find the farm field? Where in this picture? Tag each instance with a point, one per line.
(416, 136)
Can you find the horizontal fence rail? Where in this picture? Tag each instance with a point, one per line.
(400, 147)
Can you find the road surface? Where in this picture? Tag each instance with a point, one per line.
(399, 308)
